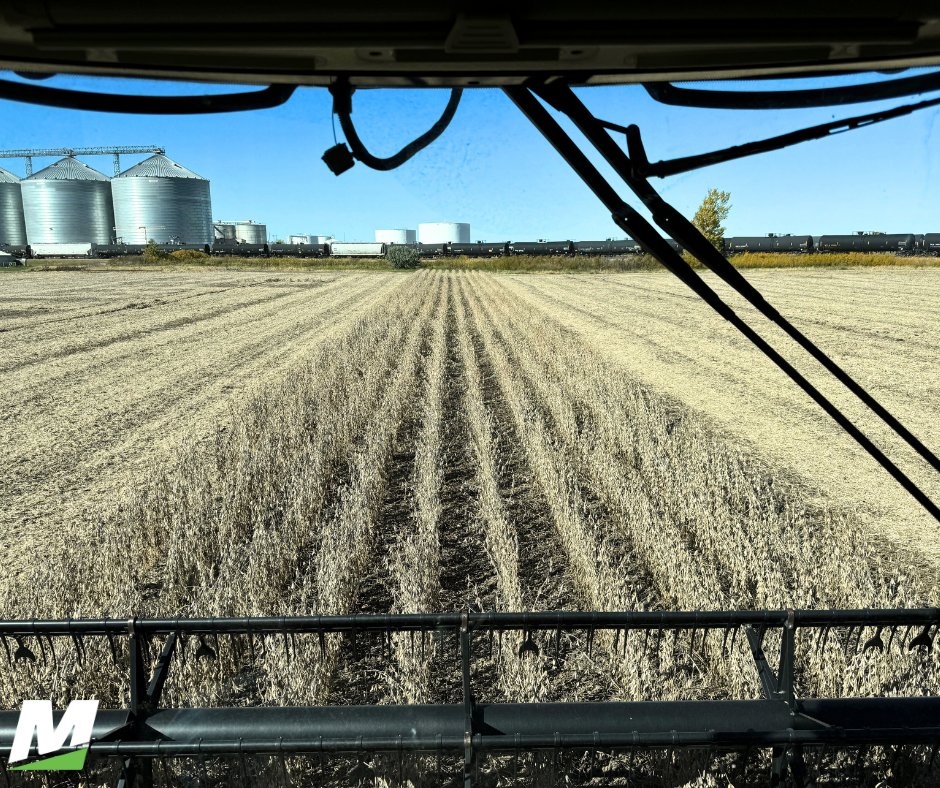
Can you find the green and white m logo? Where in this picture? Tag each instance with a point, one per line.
(36, 718)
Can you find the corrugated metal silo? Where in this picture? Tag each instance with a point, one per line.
(162, 200)
(397, 236)
(12, 223)
(68, 202)
(251, 233)
(444, 233)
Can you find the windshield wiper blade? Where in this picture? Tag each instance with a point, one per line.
(667, 167)
(271, 96)
(668, 93)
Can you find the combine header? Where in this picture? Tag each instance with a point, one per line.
(470, 741)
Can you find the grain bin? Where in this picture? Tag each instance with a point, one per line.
(251, 233)
(444, 233)
(162, 200)
(66, 203)
(396, 236)
(12, 223)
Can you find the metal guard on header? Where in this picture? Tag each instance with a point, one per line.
(778, 720)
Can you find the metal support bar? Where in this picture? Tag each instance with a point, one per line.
(137, 774)
(766, 675)
(787, 657)
(160, 672)
(468, 754)
(478, 621)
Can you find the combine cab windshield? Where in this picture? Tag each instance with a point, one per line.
(487, 428)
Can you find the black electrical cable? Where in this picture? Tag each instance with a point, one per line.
(668, 93)
(646, 235)
(342, 106)
(271, 96)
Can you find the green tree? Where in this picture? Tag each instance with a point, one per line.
(711, 213)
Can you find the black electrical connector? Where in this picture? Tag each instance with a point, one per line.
(339, 159)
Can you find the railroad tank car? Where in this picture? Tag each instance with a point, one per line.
(12, 219)
(357, 249)
(477, 250)
(546, 248)
(432, 250)
(901, 243)
(931, 244)
(68, 203)
(606, 248)
(104, 251)
(299, 250)
(229, 249)
(17, 250)
(768, 243)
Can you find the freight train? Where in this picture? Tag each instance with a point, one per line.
(896, 243)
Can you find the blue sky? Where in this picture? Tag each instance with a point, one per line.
(495, 171)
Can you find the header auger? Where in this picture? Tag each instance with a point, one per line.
(470, 740)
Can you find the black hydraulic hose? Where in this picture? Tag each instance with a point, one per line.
(342, 106)
(648, 237)
(681, 229)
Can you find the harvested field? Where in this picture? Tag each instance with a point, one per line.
(879, 324)
(247, 444)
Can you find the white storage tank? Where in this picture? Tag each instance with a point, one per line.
(161, 200)
(396, 236)
(67, 203)
(296, 240)
(251, 233)
(223, 232)
(321, 239)
(12, 223)
(444, 233)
